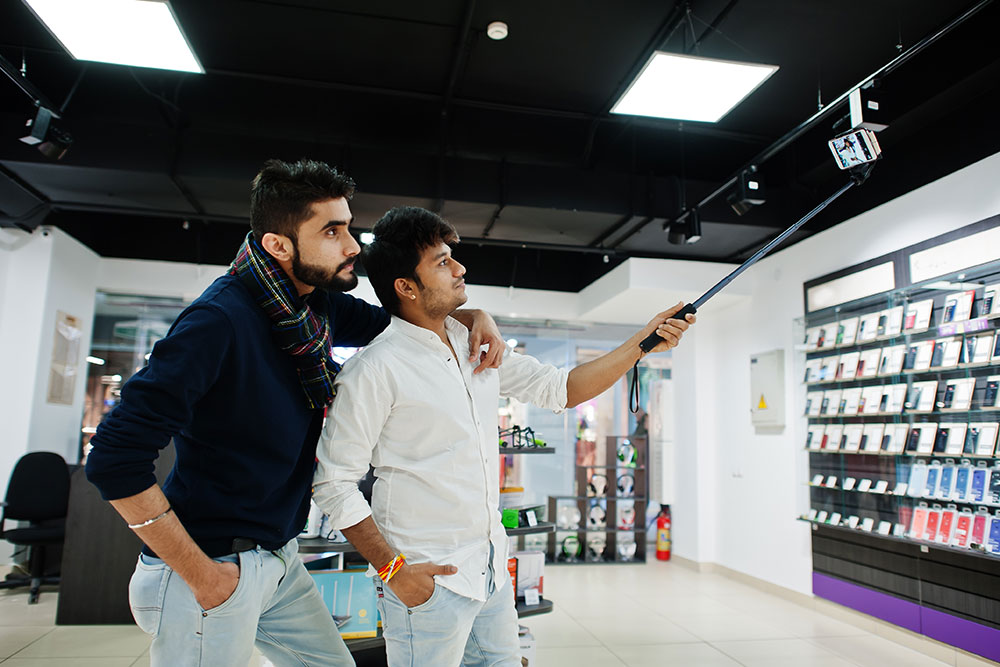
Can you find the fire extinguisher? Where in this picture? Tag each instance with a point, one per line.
(663, 533)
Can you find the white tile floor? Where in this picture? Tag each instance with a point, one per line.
(652, 615)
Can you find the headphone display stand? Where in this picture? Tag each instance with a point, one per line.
(615, 486)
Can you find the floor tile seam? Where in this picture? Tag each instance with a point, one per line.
(833, 650)
(625, 662)
(32, 643)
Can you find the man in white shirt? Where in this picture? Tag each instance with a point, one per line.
(411, 405)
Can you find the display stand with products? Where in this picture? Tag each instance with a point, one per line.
(605, 521)
(900, 400)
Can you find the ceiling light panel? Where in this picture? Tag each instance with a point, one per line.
(690, 88)
(139, 33)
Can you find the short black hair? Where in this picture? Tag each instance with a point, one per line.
(401, 235)
(282, 194)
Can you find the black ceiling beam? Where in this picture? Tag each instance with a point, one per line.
(458, 59)
(808, 124)
(713, 26)
(38, 98)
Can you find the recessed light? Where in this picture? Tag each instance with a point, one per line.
(139, 33)
(690, 88)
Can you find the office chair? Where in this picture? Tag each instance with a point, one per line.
(38, 493)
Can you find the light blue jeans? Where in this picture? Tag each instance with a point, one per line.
(450, 629)
(275, 606)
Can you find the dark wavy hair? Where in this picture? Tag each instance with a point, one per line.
(282, 194)
(401, 235)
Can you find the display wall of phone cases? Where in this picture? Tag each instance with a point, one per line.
(921, 396)
(847, 332)
(918, 316)
(957, 394)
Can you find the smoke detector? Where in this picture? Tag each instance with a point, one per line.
(496, 30)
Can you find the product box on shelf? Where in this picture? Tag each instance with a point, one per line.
(349, 596)
(530, 571)
(918, 316)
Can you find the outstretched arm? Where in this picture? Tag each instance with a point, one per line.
(592, 378)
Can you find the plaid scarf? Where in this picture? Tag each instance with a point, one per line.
(298, 329)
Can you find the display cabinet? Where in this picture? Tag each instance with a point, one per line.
(899, 368)
(604, 521)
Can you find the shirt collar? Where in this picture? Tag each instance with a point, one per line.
(427, 337)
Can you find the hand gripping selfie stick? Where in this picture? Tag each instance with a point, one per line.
(858, 176)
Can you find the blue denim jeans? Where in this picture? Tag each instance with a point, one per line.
(450, 629)
(275, 606)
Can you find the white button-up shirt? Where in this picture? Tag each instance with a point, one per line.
(429, 427)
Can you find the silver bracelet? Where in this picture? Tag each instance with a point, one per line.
(133, 526)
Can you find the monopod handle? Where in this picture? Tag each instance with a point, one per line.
(653, 339)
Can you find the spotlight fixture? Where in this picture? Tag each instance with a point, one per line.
(50, 140)
(686, 231)
(748, 192)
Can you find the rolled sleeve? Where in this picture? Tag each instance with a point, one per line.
(353, 424)
(530, 381)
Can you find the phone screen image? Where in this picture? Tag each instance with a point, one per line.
(971, 438)
(911, 444)
(949, 309)
(938, 356)
(978, 490)
(886, 439)
(990, 396)
(970, 350)
(840, 335)
(941, 441)
(949, 395)
(822, 338)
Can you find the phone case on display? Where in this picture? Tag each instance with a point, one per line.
(880, 330)
(840, 335)
(913, 402)
(821, 341)
(917, 481)
(993, 493)
(911, 444)
(962, 482)
(824, 405)
(930, 490)
(933, 520)
(863, 442)
(968, 350)
(988, 300)
(978, 529)
(919, 524)
(971, 438)
(946, 488)
(911, 358)
(883, 404)
(886, 439)
(993, 543)
(946, 526)
(977, 489)
(963, 525)
(996, 346)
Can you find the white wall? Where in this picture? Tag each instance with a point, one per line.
(43, 273)
(758, 479)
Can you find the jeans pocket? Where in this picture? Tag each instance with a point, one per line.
(427, 604)
(243, 564)
(146, 590)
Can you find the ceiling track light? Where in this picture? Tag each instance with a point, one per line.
(687, 230)
(748, 191)
(50, 140)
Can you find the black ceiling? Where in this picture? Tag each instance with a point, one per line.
(511, 141)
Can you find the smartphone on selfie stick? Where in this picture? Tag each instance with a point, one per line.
(856, 152)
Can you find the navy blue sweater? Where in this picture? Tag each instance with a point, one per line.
(231, 400)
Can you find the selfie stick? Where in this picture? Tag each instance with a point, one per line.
(857, 178)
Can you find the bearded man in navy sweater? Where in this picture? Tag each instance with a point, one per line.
(240, 384)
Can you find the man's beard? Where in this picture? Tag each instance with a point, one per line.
(317, 276)
(439, 304)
